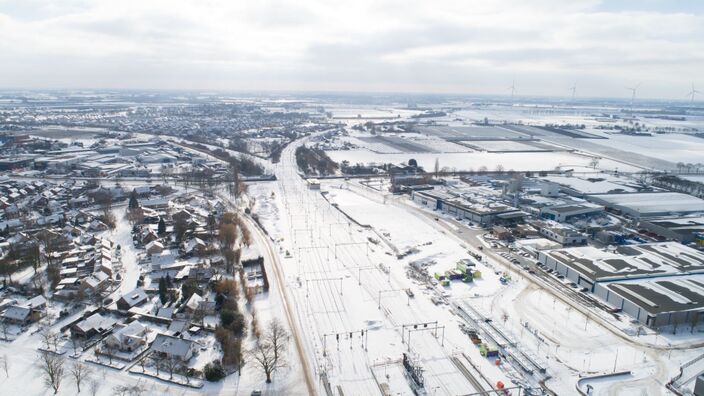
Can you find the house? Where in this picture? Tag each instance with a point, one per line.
(177, 327)
(148, 235)
(193, 247)
(93, 325)
(132, 299)
(194, 302)
(154, 247)
(128, 338)
(200, 274)
(17, 314)
(95, 283)
(166, 313)
(97, 225)
(157, 203)
(173, 347)
(142, 191)
(198, 303)
(182, 215)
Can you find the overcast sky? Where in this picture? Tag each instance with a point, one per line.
(438, 46)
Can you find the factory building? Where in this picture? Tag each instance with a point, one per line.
(484, 213)
(563, 213)
(647, 205)
(681, 229)
(658, 284)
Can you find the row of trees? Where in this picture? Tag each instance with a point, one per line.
(53, 371)
(314, 161)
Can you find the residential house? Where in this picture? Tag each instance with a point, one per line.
(128, 338)
(28, 312)
(193, 247)
(154, 247)
(132, 299)
(93, 325)
(95, 283)
(170, 347)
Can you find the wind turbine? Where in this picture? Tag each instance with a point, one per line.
(633, 94)
(512, 88)
(692, 93)
(574, 90)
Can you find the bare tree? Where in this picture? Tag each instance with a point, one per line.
(4, 326)
(171, 365)
(94, 387)
(129, 390)
(80, 372)
(76, 344)
(278, 337)
(143, 362)
(52, 368)
(594, 162)
(263, 355)
(50, 339)
(108, 350)
(157, 359)
(5, 362)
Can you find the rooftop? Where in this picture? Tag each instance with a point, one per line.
(634, 261)
(653, 203)
(667, 295)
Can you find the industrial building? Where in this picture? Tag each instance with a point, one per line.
(565, 236)
(568, 212)
(484, 213)
(681, 229)
(658, 284)
(645, 205)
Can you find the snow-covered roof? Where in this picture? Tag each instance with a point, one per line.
(96, 322)
(172, 346)
(16, 313)
(135, 297)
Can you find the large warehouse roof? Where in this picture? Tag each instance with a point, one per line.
(647, 260)
(657, 296)
(652, 204)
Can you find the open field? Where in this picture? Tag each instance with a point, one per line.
(474, 161)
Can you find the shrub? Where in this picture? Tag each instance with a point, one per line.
(214, 371)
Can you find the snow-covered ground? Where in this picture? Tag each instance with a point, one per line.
(344, 279)
(569, 342)
(476, 160)
(679, 147)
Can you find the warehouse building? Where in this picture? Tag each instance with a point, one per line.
(563, 213)
(484, 213)
(681, 229)
(658, 284)
(563, 235)
(646, 205)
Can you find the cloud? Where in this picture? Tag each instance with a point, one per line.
(378, 45)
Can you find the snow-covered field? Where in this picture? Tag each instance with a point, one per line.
(670, 147)
(476, 160)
